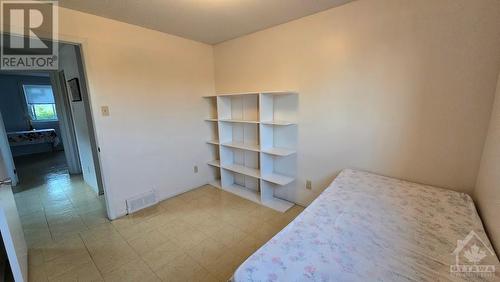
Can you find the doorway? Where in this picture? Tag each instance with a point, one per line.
(31, 123)
(48, 144)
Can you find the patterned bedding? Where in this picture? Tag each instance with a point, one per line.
(39, 136)
(366, 227)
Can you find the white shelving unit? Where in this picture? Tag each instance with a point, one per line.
(253, 138)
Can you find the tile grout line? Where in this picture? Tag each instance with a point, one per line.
(90, 255)
(48, 225)
(138, 255)
(75, 209)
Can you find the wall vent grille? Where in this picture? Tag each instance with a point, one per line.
(141, 201)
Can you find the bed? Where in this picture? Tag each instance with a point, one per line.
(366, 227)
(31, 137)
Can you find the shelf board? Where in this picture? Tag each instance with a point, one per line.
(277, 178)
(237, 94)
(281, 152)
(216, 183)
(280, 93)
(241, 169)
(211, 119)
(277, 204)
(213, 142)
(243, 192)
(242, 146)
(215, 163)
(278, 122)
(240, 121)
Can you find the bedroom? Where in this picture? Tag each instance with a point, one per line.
(404, 89)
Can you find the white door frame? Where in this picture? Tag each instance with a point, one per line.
(11, 227)
(66, 122)
(7, 154)
(90, 118)
(12, 234)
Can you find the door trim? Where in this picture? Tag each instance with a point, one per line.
(66, 122)
(7, 153)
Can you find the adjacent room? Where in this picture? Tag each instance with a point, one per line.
(221, 140)
(30, 119)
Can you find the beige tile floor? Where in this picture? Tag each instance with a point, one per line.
(201, 235)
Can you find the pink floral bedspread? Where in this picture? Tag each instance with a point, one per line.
(366, 227)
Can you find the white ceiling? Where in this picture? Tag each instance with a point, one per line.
(209, 21)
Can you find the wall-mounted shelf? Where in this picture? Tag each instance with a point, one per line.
(254, 144)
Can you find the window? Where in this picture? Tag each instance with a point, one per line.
(40, 102)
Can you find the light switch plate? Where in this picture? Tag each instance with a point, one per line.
(105, 111)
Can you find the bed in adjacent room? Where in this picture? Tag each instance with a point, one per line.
(366, 227)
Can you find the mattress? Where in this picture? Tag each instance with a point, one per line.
(367, 227)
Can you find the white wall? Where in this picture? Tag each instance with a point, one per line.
(69, 64)
(398, 87)
(152, 83)
(487, 192)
